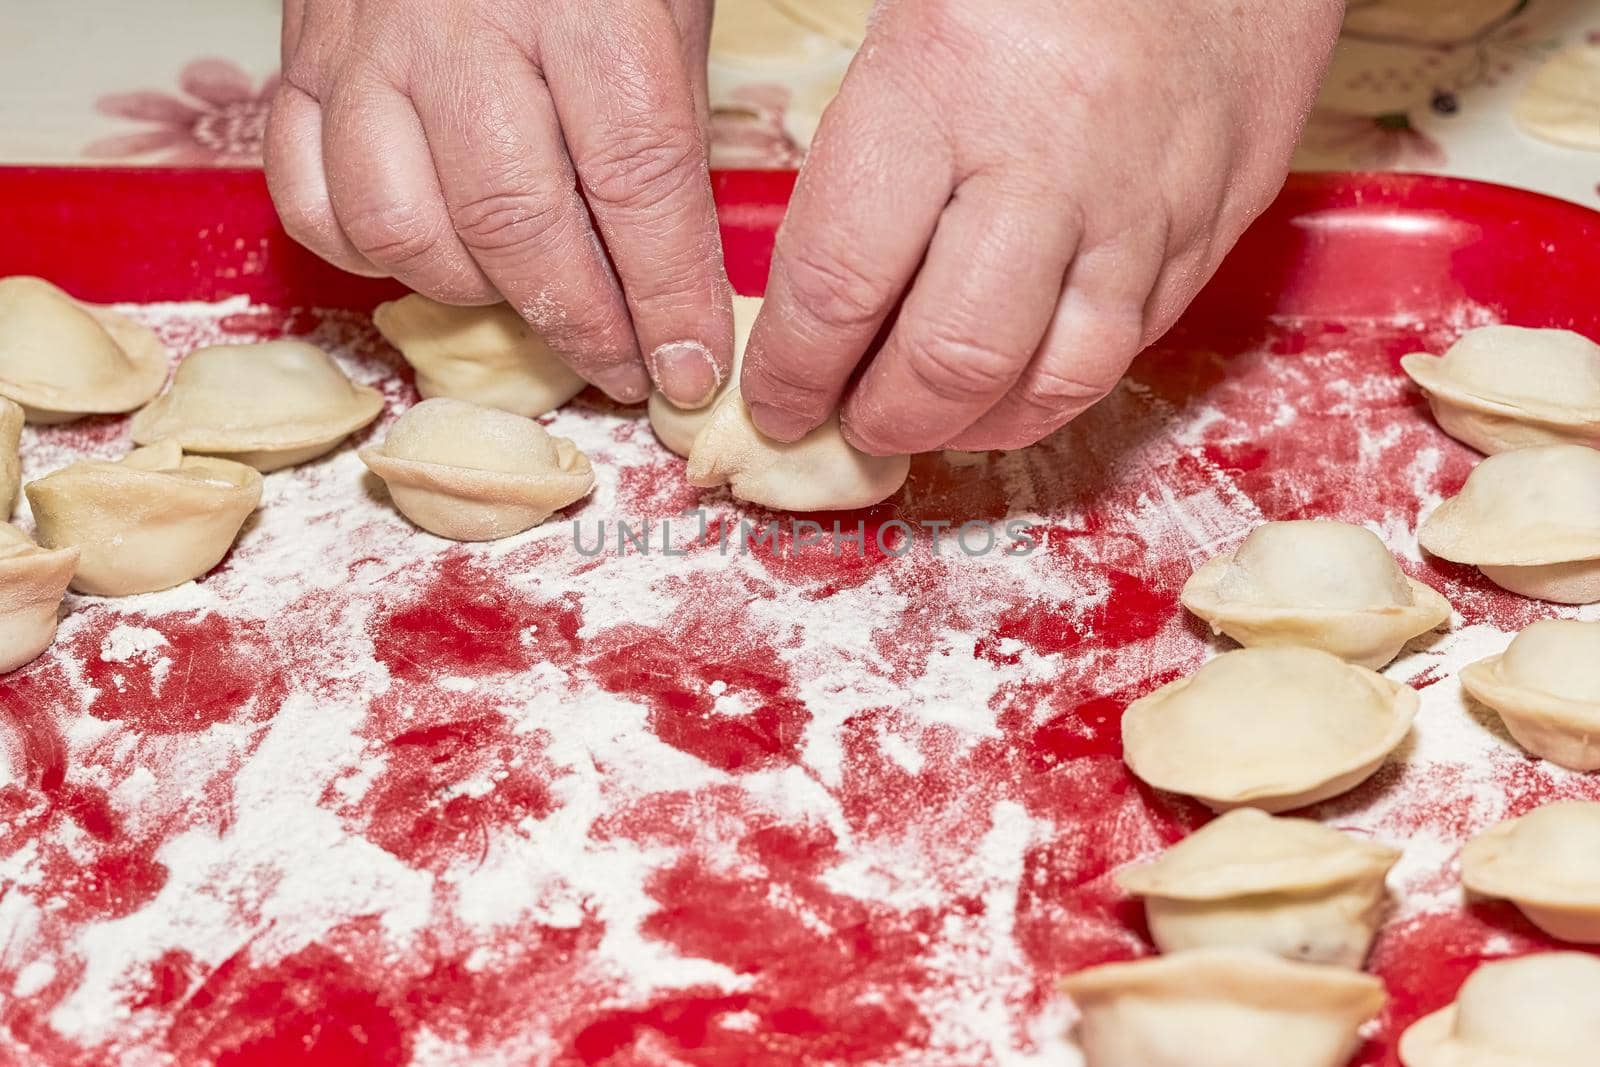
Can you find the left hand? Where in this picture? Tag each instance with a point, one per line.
(1045, 184)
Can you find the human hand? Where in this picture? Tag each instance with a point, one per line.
(1046, 184)
(461, 146)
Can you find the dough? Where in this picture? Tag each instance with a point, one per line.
(1290, 887)
(843, 20)
(1529, 520)
(1324, 585)
(33, 581)
(1426, 22)
(1547, 863)
(1533, 1011)
(62, 360)
(1561, 103)
(11, 419)
(1270, 728)
(268, 405)
(677, 427)
(819, 472)
(486, 355)
(1546, 688)
(1505, 387)
(149, 521)
(1221, 1008)
(759, 34)
(472, 473)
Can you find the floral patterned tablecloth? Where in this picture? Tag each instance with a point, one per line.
(1423, 85)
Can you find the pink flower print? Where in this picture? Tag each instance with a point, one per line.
(1378, 142)
(749, 132)
(220, 120)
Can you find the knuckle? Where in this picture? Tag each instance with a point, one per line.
(393, 235)
(1055, 393)
(638, 168)
(833, 291)
(501, 221)
(786, 384)
(956, 367)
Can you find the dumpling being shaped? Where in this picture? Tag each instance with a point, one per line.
(1547, 863)
(1325, 585)
(149, 521)
(473, 473)
(1531, 1011)
(1269, 728)
(484, 355)
(819, 472)
(1291, 887)
(1505, 387)
(1546, 689)
(33, 581)
(1529, 520)
(677, 427)
(61, 359)
(1220, 1007)
(11, 419)
(269, 405)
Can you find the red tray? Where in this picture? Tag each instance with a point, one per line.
(796, 808)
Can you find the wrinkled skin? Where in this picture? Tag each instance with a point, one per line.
(1014, 197)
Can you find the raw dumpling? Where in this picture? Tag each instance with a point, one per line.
(269, 405)
(32, 582)
(1321, 585)
(1561, 103)
(677, 427)
(1546, 688)
(1290, 887)
(62, 360)
(1529, 520)
(1505, 387)
(485, 355)
(758, 34)
(819, 472)
(472, 473)
(10, 459)
(149, 521)
(1532, 1011)
(1221, 1008)
(1547, 863)
(1269, 728)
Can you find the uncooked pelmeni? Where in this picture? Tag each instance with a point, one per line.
(473, 473)
(61, 359)
(32, 582)
(843, 20)
(759, 34)
(1532, 1011)
(1546, 689)
(819, 472)
(1323, 585)
(677, 427)
(1290, 887)
(485, 355)
(1505, 387)
(149, 521)
(1529, 520)
(1561, 102)
(1269, 728)
(1547, 863)
(269, 405)
(1221, 1008)
(11, 419)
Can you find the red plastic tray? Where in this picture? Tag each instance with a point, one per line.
(949, 853)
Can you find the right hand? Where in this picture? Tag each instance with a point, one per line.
(462, 145)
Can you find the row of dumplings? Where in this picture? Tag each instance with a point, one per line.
(468, 463)
(1262, 919)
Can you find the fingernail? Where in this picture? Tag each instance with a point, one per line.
(779, 423)
(626, 384)
(685, 372)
